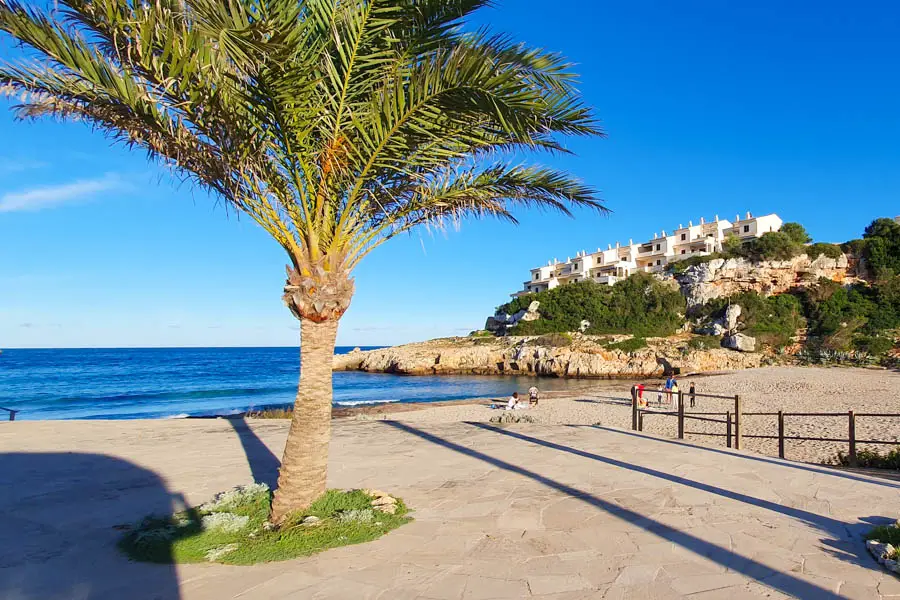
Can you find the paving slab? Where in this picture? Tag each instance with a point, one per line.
(528, 511)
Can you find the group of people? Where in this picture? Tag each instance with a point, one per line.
(670, 389)
(513, 403)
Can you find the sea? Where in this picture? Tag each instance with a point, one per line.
(152, 383)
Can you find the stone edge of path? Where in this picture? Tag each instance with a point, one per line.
(880, 551)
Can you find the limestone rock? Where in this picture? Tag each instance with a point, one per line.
(585, 324)
(720, 278)
(310, 521)
(715, 329)
(739, 342)
(732, 313)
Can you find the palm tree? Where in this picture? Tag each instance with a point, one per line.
(334, 124)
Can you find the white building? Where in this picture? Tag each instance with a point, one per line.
(653, 256)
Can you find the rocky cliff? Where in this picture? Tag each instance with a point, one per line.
(587, 356)
(724, 277)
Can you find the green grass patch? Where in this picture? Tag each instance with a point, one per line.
(630, 345)
(233, 529)
(704, 342)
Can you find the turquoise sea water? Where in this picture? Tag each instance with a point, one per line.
(181, 382)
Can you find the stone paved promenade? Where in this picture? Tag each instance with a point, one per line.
(526, 512)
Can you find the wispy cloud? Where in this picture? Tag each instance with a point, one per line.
(54, 195)
(12, 165)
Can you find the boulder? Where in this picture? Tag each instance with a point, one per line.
(739, 342)
(715, 329)
(732, 313)
(495, 324)
(585, 324)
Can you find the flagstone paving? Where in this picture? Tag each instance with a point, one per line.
(545, 512)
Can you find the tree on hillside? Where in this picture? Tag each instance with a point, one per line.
(882, 247)
(334, 125)
(796, 232)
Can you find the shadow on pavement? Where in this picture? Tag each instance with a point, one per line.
(61, 519)
(784, 582)
(735, 454)
(263, 464)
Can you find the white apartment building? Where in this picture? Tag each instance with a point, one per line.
(653, 256)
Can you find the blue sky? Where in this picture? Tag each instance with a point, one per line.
(710, 108)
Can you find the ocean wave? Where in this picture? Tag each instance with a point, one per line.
(180, 395)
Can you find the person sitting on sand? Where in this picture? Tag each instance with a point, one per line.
(533, 395)
(513, 402)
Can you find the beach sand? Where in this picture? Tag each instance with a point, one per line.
(770, 389)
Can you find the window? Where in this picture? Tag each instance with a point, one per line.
(657, 247)
(683, 236)
(683, 252)
(536, 276)
(658, 263)
(747, 229)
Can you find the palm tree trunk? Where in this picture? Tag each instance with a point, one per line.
(303, 468)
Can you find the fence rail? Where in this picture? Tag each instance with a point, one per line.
(733, 423)
(12, 413)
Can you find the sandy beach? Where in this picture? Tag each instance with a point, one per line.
(770, 389)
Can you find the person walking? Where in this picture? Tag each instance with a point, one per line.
(533, 396)
(669, 383)
(692, 393)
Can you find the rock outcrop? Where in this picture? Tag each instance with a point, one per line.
(724, 277)
(739, 342)
(586, 357)
(500, 321)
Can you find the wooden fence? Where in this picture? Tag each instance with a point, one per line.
(733, 422)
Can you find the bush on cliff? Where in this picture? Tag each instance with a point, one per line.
(848, 317)
(640, 305)
(773, 320)
(882, 247)
(628, 346)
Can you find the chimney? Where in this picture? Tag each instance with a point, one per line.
(691, 223)
(702, 220)
(737, 218)
(717, 218)
(609, 246)
(617, 244)
(749, 216)
(680, 226)
(630, 242)
(664, 233)
(654, 236)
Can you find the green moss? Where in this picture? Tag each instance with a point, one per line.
(630, 345)
(346, 517)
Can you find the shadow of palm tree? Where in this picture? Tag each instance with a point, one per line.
(784, 582)
(263, 463)
(62, 515)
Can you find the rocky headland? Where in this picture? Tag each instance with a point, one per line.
(585, 356)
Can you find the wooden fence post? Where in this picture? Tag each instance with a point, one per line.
(640, 421)
(852, 436)
(728, 429)
(634, 408)
(737, 422)
(680, 415)
(780, 434)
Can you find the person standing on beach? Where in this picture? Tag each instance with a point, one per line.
(533, 395)
(674, 395)
(692, 393)
(669, 383)
(659, 395)
(640, 394)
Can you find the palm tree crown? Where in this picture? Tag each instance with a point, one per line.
(334, 124)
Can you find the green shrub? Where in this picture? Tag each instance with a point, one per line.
(837, 313)
(732, 247)
(886, 534)
(818, 249)
(796, 233)
(773, 320)
(872, 459)
(630, 345)
(704, 342)
(773, 245)
(640, 305)
(882, 246)
(875, 345)
(554, 340)
(481, 333)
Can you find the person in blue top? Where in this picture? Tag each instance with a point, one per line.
(670, 383)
